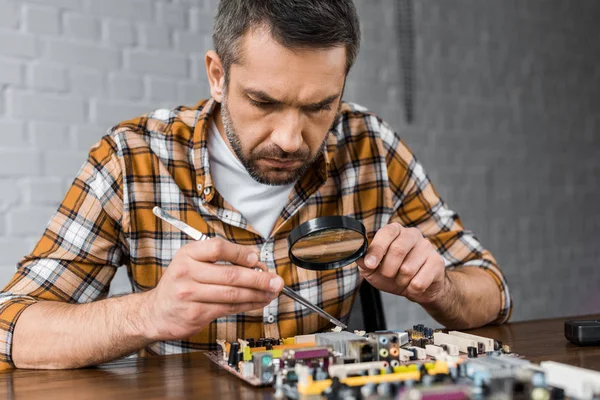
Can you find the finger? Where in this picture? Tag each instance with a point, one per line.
(262, 266)
(398, 252)
(412, 263)
(221, 310)
(217, 249)
(382, 240)
(207, 293)
(423, 279)
(234, 275)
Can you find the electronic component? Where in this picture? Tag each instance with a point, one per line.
(405, 355)
(403, 336)
(387, 345)
(264, 368)
(462, 343)
(305, 339)
(433, 351)
(342, 371)
(247, 369)
(472, 352)
(362, 350)
(451, 349)
(488, 344)
(234, 354)
(420, 353)
(337, 340)
(576, 382)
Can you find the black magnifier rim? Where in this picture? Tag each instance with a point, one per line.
(323, 224)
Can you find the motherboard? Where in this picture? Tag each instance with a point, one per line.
(418, 363)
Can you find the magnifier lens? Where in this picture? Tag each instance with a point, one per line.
(326, 243)
(328, 246)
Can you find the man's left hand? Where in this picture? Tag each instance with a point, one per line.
(402, 262)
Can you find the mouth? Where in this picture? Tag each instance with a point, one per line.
(281, 164)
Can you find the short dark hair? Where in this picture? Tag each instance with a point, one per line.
(292, 23)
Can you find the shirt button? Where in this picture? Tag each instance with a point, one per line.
(270, 319)
(199, 187)
(206, 191)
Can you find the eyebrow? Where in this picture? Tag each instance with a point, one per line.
(263, 96)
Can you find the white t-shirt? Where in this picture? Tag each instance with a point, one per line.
(259, 204)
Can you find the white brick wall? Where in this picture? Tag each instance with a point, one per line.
(69, 69)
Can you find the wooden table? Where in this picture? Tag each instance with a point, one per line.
(194, 376)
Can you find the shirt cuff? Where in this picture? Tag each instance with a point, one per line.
(506, 305)
(10, 311)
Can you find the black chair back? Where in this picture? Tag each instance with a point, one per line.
(367, 312)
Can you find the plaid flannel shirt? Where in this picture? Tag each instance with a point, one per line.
(106, 221)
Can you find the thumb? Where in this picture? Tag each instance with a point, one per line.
(365, 271)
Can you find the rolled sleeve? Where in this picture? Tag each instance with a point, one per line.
(11, 308)
(80, 250)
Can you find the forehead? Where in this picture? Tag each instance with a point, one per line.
(267, 65)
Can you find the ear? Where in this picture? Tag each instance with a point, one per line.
(216, 75)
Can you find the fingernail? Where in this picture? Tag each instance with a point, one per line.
(370, 261)
(252, 258)
(276, 283)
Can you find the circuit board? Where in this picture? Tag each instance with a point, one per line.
(419, 363)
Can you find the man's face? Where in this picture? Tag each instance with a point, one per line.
(279, 105)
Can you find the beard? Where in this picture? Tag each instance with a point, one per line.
(271, 176)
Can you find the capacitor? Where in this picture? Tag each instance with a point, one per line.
(497, 345)
(233, 354)
(413, 357)
(480, 348)
(472, 351)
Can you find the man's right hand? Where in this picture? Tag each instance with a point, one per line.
(195, 291)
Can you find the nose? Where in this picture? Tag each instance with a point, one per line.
(288, 132)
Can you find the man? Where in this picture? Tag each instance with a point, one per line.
(274, 147)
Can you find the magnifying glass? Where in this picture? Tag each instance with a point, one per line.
(327, 243)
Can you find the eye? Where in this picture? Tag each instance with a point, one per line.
(260, 104)
(318, 109)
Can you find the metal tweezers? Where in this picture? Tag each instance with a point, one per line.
(197, 235)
